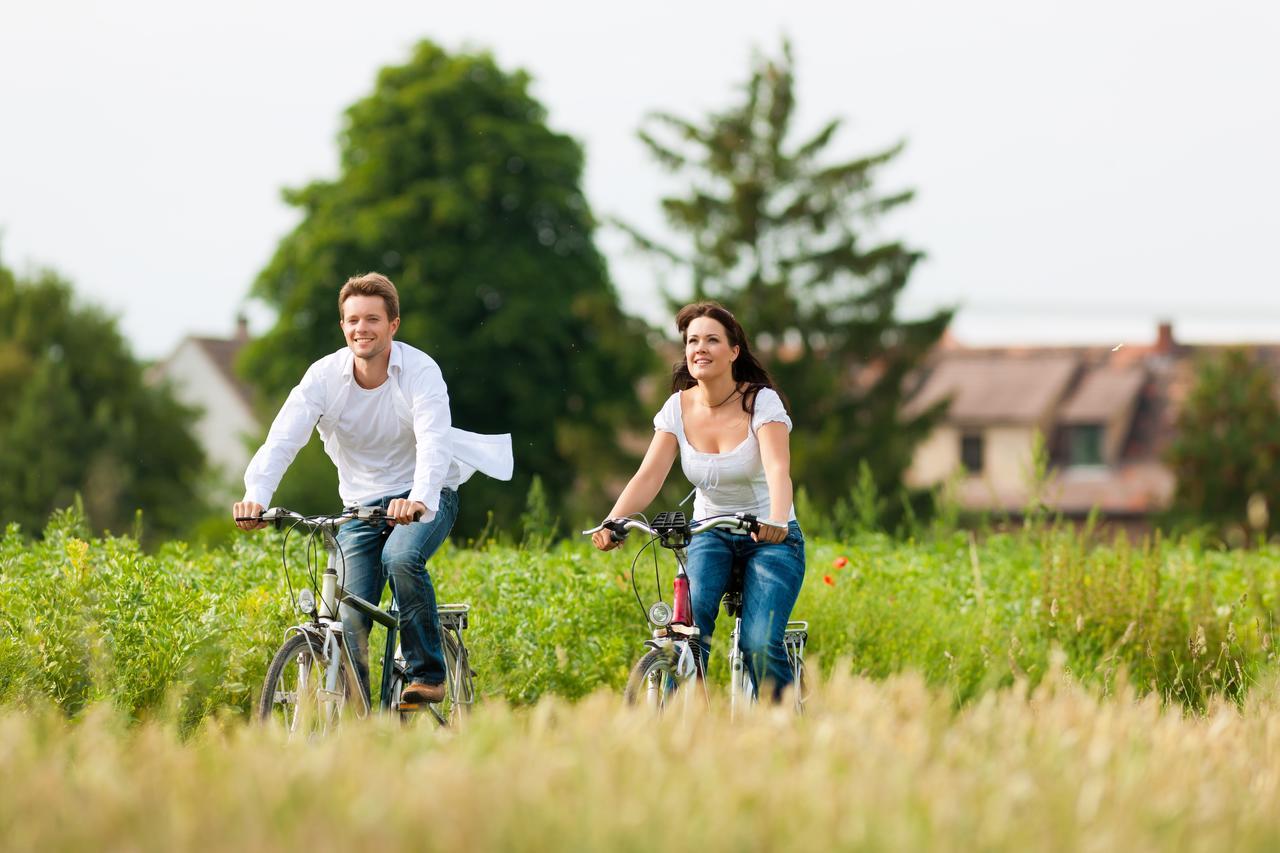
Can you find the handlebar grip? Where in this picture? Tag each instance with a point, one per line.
(377, 513)
(617, 530)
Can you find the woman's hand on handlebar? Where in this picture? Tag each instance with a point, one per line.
(770, 533)
(247, 515)
(606, 539)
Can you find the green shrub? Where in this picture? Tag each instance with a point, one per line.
(190, 632)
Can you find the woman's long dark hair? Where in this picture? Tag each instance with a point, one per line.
(746, 368)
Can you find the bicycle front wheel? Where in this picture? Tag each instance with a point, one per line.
(296, 696)
(654, 680)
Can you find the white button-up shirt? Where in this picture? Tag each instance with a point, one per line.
(384, 441)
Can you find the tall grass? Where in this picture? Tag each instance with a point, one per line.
(876, 765)
(85, 620)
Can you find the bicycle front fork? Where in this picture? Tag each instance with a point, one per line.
(740, 689)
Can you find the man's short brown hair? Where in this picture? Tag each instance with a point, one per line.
(371, 284)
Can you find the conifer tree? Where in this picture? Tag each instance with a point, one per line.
(781, 233)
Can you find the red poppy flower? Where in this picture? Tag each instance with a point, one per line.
(828, 580)
(840, 562)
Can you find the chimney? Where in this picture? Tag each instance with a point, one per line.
(242, 329)
(1165, 344)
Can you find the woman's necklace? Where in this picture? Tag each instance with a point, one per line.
(732, 394)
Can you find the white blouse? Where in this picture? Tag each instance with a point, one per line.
(733, 481)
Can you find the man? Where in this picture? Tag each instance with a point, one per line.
(382, 409)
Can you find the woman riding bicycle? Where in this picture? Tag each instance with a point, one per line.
(731, 429)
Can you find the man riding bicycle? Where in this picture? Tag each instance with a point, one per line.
(382, 409)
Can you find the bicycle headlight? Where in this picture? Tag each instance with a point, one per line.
(307, 601)
(660, 614)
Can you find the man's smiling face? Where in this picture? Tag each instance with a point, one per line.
(366, 327)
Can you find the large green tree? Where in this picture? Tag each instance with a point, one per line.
(1227, 448)
(782, 234)
(452, 184)
(76, 417)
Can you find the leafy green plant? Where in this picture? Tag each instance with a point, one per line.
(189, 632)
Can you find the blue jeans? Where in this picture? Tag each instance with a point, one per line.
(771, 584)
(375, 553)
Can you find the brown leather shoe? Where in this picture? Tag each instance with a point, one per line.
(419, 693)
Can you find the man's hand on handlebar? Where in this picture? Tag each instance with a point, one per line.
(769, 532)
(247, 515)
(405, 511)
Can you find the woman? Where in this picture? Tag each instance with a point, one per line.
(731, 430)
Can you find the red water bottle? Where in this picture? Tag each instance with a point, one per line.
(683, 607)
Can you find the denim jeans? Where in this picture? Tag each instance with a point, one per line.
(771, 584)
(374, 553)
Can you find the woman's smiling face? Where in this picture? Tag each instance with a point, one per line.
(707, 350)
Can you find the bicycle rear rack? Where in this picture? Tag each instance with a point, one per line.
(797, 634)
(454, 616)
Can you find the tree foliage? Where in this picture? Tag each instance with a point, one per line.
(76, 417)
(1227, 448)
(782, 236)
(452, 184)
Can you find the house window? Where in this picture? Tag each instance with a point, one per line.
(1085, 444)
(971, 452)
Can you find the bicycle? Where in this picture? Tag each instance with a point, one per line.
(673, 658)
(312, 684)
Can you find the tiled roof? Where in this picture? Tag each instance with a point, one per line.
(1064, 386)
(996, 389)
(1102, 393)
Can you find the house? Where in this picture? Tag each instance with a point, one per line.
(201, 373)
(1107, 416)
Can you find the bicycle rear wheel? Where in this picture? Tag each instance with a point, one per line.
(294, 694)
(796, 637)
(654, 680)
(459, 693)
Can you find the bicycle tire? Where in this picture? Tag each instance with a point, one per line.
(653, 680)
(298, 703)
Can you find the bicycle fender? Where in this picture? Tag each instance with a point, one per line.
(687, 666)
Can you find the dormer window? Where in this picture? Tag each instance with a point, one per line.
(1084, 445)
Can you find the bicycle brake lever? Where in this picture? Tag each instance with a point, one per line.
(617, 530)
(367, 513)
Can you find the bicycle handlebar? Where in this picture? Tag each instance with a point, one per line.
(279, 517)
(620, 527)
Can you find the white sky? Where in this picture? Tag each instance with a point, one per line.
(1083, 168)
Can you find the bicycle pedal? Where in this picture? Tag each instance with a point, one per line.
(411, 707)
